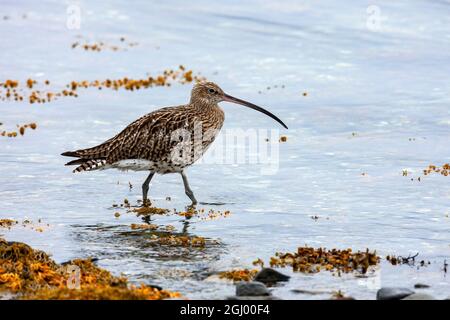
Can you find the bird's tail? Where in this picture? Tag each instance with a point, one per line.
(87, 165)
(83, 163)
(71, 154)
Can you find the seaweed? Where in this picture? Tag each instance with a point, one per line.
(32, 274)
(146, 211)
(7, 223)
(21, 130)
(173, 240)
(312, 260)
(444, 170)
(239, 274)
(14, 90)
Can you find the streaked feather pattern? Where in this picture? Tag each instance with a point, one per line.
(150, 138)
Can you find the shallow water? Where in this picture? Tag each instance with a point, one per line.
(377, 104)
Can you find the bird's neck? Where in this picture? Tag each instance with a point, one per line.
(203, 106)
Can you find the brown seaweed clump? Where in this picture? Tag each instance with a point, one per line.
(202, 214)
(144, 226)
(23, 269)
(12, 90)
(32, 274)
(99, 46)
(239, 275)
(20, 130)
(444, 170)
(409, 260)
(312, 260)
(213, 215)
(189, 213)
(173, 240)
(7, 223)
(146, 211)
(94, 292)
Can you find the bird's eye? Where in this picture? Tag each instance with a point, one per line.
(211, 91)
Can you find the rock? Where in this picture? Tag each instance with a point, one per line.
(251, 289)
(268, 275)
(421, 286)
(419, 296)
(393, 293)
(253, 298)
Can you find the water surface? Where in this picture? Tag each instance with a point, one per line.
(377, 103)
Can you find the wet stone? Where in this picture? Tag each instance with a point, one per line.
(270, 276)
(252, 289)
(393, 293)
(419, 296)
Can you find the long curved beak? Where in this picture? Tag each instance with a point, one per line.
(229, 98)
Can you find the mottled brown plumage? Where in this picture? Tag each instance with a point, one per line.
(166, 140)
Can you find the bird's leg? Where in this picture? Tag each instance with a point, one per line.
(187, 189)
(145, 187)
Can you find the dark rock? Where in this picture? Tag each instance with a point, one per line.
(268, 275)
(393, 293)
(252, 289)
(155, 286)
(421, 286)
(419, 296)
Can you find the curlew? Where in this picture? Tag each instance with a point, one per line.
(161, 141)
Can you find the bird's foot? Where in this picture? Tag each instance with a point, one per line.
(146, 202)
(191, 207)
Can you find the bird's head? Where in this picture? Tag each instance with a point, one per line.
(209, 93)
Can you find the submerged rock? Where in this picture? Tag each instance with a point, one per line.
(419, 296)
(269, 275)
(252, 289)
(393, 293)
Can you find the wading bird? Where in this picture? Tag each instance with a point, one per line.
(161, 141)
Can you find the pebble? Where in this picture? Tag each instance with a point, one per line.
(419, 296)
(252, 289)
(393, 293)
(269, 275)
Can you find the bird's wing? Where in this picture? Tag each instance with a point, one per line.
(150, 137)
(146, 138)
